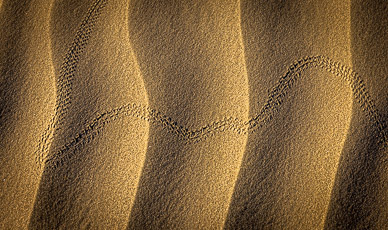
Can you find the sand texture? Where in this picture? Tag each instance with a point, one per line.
(140, 114)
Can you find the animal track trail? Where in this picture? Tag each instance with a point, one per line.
(64, 82)
(268, 111)
(275, 100)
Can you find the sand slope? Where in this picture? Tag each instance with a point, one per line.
(91, 180)
(193, 114)
(196, 47)
(27, 99)
(295, 156)
(360, 198)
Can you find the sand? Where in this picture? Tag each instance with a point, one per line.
(138, 114)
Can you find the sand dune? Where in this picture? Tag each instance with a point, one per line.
(296, 173)
(207, 66)
(99, 166)
(362, 188)
(27, 98)
(193, 115)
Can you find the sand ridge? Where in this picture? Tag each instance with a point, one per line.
(26, 103)
(196, 46)
(94, 179)
(365, 182)
(67, 71)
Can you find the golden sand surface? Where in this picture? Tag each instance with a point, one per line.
(136, 114)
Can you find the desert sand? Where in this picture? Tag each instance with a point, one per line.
(135, 114)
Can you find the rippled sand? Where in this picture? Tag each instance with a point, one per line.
(142, 114)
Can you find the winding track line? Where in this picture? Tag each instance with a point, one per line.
(66, 75)
(268, 111)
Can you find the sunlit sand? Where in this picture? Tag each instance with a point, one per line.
(193, 115)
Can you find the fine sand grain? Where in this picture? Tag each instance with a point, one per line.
(236, 114)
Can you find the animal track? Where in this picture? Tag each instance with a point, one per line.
(275, 99)
(269, 109)
(66, 75)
